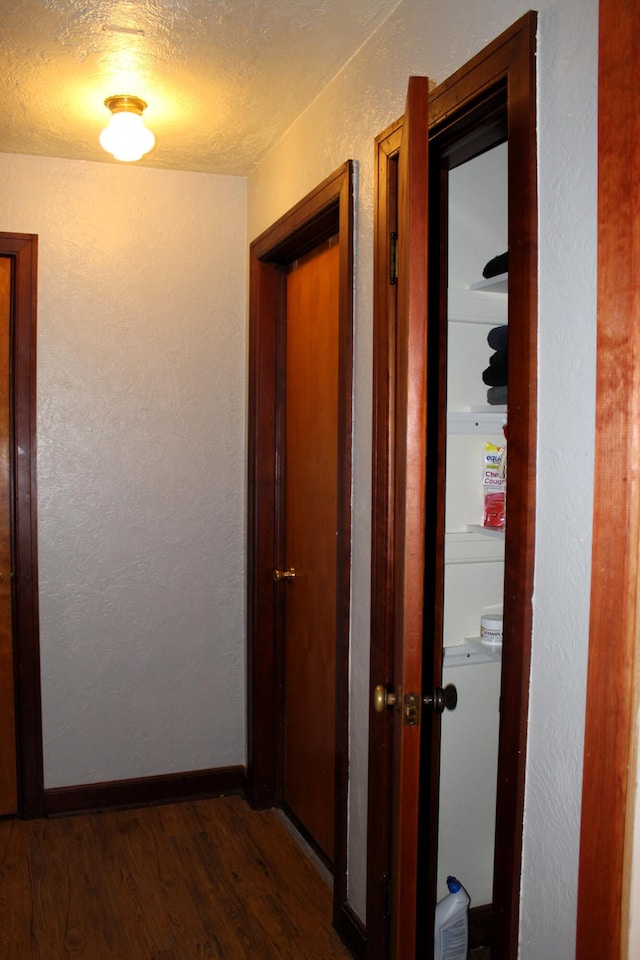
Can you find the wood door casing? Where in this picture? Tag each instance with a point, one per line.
(324, 212)
(22, 250)
(310, 517)
(8, 758)
(609, 790)
(508, 62)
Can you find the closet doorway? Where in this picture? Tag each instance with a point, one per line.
(475, 340)
(488, 102)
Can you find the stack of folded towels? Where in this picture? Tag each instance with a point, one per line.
(495, 376)
(496, 266)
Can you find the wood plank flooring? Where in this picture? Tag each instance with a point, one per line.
(210, 880)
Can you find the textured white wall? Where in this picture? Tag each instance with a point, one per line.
(567, 94)
(423, 36)
(141, 370)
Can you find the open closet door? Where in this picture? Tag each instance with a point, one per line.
(408, 544)
(496, 87)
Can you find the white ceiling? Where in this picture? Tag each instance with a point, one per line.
(223, 79)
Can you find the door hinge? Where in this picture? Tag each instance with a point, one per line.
(393, 258)
(411, 710)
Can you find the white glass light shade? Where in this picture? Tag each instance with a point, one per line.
(126, 137)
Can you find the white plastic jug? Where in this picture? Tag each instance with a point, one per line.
(451, 941)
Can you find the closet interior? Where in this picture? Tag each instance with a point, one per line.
(476, 428)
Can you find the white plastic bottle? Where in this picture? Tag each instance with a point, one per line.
(451, 941)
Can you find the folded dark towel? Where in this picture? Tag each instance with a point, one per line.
(496, 373)
(496, 266)
(497, 395)
(498, 338)
(494, 378)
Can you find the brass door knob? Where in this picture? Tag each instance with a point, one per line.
(383, 698)
(289, 574)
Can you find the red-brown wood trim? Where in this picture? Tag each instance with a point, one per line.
(306, 224)
(145, 791)
(387, 146)
(343, 570)
(511, 60)
(508, 61)
(502, 59)
(609, 796)
(327, 210)
(352, 932)
(480, 927)
(23, 249)
(410, 508)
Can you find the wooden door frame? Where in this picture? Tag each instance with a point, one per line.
(508, 62)
(22, 249)
(609, 794)
(323, 213)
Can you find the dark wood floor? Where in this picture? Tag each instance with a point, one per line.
(192, 881)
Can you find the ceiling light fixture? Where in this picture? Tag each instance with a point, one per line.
(126, 137)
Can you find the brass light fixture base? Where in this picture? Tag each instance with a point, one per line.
(125, 103)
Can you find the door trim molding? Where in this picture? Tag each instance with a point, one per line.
(609, 791)
(190, 785)
(22, 248)
(508, 62)
(387, 146)
(326, 211)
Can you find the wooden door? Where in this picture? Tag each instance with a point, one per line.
(408, 375)
(326, 212)
(310, 519)
(8, 773)
(406, 370)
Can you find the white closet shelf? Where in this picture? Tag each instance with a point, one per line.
(496, 533)
(486, 420)
(477, 306)
(469, 546)
(495, 408)
(471, 651)
(497, 284)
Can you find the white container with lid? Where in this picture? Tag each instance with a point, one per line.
(491, 629)
(451, 940)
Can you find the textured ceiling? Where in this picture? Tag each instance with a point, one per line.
(223, 79)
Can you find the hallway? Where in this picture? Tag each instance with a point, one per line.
(191, 881)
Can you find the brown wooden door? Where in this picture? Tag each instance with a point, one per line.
(409, 521)
(8, 773)
(325, 213)
(408, 375)
(310, 520)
